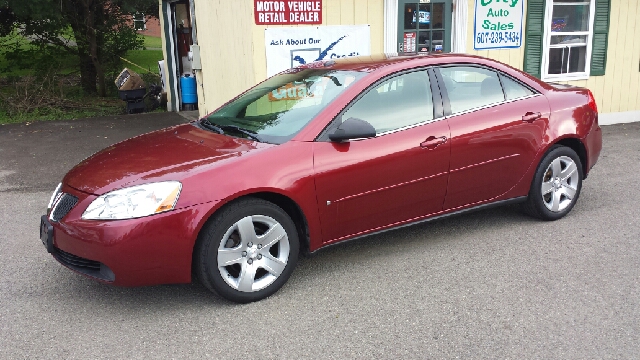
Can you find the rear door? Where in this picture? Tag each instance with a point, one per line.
(398, 176)
(497, 126)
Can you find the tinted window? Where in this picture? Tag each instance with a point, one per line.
(401, 101)
(470, 87)
(513, 89)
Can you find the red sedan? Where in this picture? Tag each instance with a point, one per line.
(319, 154)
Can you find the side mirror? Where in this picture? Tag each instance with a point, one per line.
(353, 128)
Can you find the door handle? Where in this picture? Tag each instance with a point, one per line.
(433, 142)
(531, 117)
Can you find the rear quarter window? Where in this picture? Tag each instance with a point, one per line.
(513, 89)
(471, 87)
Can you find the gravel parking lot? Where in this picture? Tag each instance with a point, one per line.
(491, 284)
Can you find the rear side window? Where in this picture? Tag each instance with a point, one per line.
(513, 89)
(398, 102)
(470, 87)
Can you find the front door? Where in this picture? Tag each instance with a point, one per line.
(396, 177)
(424, 26)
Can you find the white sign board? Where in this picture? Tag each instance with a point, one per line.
(288, 47)
(498, 24)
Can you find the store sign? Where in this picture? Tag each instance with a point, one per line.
(424, 17)
(287, 12)
(498, 24)
(409, 42)
(288, 47)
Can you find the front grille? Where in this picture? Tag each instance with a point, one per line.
(62, 207)
(85, 266)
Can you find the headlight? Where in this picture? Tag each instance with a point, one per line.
(135, 201)
(53, 197)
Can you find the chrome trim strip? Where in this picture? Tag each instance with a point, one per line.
(55, 204)
(452, 115)
(492, 105)
(411, 126)
(54, 197)
(483, 163)
(402, 128)
(390, 187)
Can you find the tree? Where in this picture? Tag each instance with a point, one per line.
(7, 19)
(96, 31)
(148, 8)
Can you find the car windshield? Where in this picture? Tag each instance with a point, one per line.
(277, 109)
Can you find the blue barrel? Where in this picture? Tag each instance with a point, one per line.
(189, 93)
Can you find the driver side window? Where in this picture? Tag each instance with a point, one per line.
(398, 102)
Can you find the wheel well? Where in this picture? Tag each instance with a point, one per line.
(293, 210)
(577, 146)
(290, 207)
(285, 203)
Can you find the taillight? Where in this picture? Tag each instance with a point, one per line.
(592, 102)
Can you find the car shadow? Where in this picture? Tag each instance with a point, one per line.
(310, 271)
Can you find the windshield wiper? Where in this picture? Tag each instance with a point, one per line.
(211, 126)
(222, 129)
(248, 133)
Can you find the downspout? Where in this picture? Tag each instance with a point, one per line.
(194, 33)
(170, 58)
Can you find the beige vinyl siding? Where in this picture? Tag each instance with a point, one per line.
(512, 57)
(233, 49)
(617, 90)
(622, 76)
(224, 34)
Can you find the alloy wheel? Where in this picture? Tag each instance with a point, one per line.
(560, 184)
(253, 253)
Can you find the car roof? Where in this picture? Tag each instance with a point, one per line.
(392, 62)
(370, 63)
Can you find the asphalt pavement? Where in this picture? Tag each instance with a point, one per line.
(491, 284)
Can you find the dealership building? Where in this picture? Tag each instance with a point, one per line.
(215, 49)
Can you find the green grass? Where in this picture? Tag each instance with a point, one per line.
(152, 42)
(111, 105)
(147, 59)
(50, 114)
(68, 62)
(7, 44)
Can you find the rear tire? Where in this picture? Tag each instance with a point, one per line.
(556, 184)
(247, 251)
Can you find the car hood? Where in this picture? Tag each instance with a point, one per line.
(169, 154)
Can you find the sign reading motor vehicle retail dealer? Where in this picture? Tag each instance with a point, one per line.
(287, 12)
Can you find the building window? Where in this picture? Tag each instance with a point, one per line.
(138, 21)
(567, 42)
(566, 39)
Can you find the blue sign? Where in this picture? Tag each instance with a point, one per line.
(425, 17)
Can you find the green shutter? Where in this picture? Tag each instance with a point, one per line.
(534, 37)
(600, 37)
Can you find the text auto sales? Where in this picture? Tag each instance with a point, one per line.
(297, 11)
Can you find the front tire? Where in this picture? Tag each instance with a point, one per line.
(247, 251)
(556, 184)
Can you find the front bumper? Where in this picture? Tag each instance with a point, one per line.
(151, 250)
